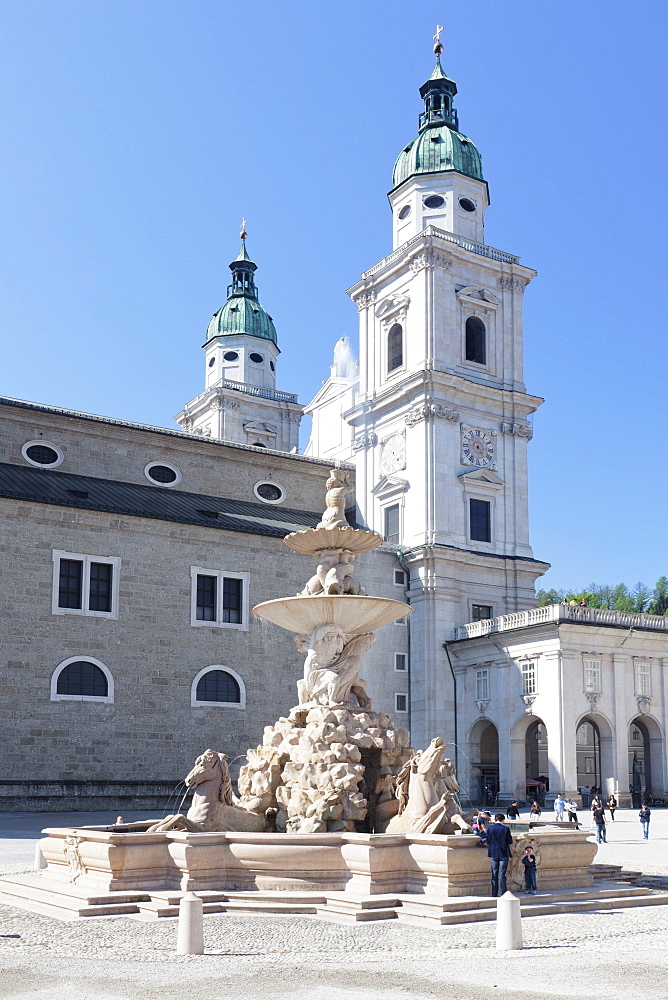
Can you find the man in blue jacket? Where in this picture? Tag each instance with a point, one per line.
(498, 840)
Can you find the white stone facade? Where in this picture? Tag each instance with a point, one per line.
(595, 683)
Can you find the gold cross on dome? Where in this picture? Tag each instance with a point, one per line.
(243, 232)
(439, 29)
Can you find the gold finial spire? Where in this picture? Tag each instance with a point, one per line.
(438, 48)
(243, 232)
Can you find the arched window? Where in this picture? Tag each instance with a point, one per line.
(77, 679)
(218, 685)
(395, 348)
(475, 341)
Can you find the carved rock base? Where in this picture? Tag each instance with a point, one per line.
(325, 769)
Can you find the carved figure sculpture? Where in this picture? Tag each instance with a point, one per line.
(331, 668)
(423, 806)
(327, 560)
(339, 579)
(335, 498)
(213, 809)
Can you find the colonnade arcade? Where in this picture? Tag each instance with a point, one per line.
(529, 765)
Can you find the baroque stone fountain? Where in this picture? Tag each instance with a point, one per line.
(333, 800)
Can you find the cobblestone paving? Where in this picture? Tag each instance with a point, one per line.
(295, 958)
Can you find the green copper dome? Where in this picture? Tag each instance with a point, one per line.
(242, 313)
(439, 145)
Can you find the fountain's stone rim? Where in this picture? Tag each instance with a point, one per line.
(354, 615)
(312, 540)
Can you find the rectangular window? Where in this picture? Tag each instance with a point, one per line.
(207, 597)
(643, 686)
(482, 685)
(401, 703)
(400, 578)
(219, 598)
(85, 585)
(401, 662)
(529, 677)
(592, 670)
(480, 520)
(481, 612)
(391, 527)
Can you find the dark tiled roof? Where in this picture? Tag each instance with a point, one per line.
(87, 493)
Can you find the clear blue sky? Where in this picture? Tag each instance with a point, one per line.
(136, 135)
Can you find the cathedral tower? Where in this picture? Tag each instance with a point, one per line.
(240, 402)
(438, 421)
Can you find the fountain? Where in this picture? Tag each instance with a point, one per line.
(333, 801)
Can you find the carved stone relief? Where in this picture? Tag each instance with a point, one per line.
(512, 284)
(425, 411)
(517, 429)
(430, 258)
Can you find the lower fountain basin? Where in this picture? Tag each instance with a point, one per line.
(354, 615)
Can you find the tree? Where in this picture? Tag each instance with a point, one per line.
(659, 603)
(621, 599)
(642, 595)
(549, 597)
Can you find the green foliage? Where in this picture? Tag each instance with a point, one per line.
(618, 598)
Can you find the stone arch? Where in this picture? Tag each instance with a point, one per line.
(524, 761)
(651, 777)
(483, 761)
(600, 750)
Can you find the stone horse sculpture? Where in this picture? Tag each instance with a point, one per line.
(213, 809)
(423, 806)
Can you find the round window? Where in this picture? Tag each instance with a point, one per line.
(256, 358)
(166, 475)
(434, 201)
(231, 356)
(405, 212)
(42, 453)
(467, 204)
(269, 492)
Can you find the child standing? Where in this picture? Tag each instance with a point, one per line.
(529, 862)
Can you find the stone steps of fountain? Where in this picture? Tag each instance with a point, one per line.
(347, 908)
(460, 911)
(166, 904)
(66, 901)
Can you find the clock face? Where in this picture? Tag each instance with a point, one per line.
(477, 448)
(393, 454)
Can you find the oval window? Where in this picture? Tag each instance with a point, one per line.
(41, 454)
(434, 201)
(405, 212)
(256, 358)
(467, 204)
(212, 362)
(272, 366)
(269, 492)
(166, 475)
(231, 356)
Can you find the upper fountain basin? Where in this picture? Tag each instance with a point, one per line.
(313, 540)
(354, 615)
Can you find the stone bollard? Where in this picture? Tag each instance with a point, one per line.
(40, 860)
(190, 940)
(508, 923)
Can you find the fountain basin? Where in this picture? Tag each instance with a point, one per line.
(104, 859)
(311, 540)
(354, 615)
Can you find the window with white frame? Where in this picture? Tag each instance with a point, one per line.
(391, 530)
(481, 612)
(401, 702)
(592, 676)
(529, 677)
(218, 685)
(401, 662)
(219, 598)
(82, 678)
(643, 685)
(400, 578)
(482, 684)
(85, 584)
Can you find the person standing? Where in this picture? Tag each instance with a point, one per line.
(598, 816)
(572, 809)
(529, 862)
(499, 840)
(612, 805)
(513, 810)
(644, 815)
(559, 807)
